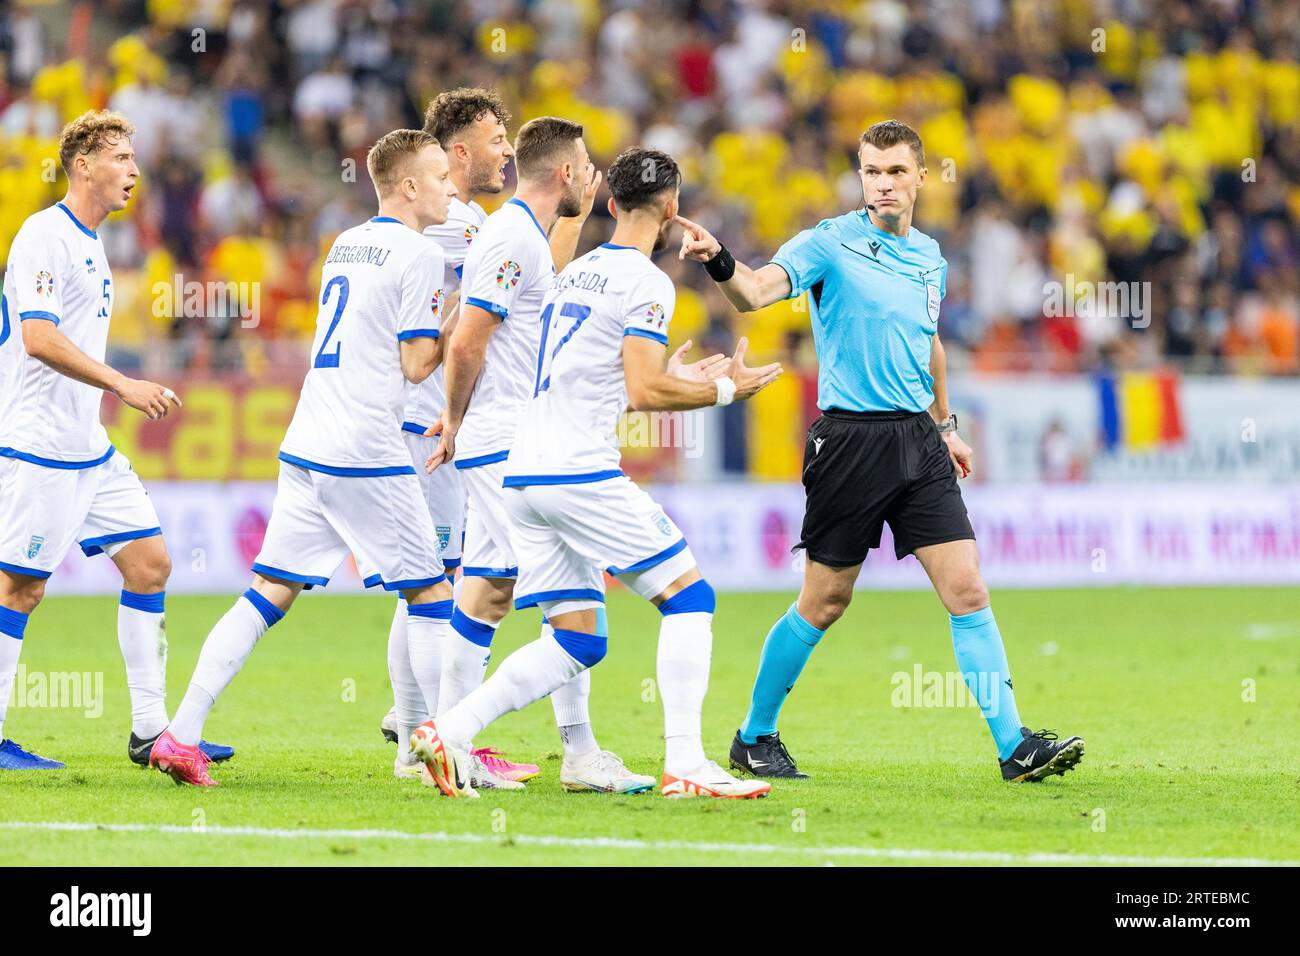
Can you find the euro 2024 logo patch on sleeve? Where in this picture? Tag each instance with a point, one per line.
(44, 283)
(508, 274)
(655, 318)
(435, 304)
(470, 232)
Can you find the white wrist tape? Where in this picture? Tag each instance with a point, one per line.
(726, 390)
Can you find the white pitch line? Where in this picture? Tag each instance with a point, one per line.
(618, 843)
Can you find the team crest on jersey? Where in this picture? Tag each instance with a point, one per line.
(470, 232)
(508, 274)
(444, 537)
(435, 304)
(34, 546)
(654, 316)
(44, 283)
(932, 301)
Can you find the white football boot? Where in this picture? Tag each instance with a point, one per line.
(603, 772)
(481, 778)
(407, 771)
(710, 780)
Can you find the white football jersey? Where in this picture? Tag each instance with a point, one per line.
(381, 284)
(57, 272)
(569, 427)
(507, 272)
(425, 402)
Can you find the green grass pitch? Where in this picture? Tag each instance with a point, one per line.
(1189, 700)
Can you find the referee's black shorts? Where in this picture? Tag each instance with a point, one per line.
(862, 469)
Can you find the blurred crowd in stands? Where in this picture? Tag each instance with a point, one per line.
(1080, 142)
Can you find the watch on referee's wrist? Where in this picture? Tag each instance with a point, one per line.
(948, 426)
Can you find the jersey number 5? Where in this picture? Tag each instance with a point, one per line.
(331, 359)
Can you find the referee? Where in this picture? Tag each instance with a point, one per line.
(885, 448)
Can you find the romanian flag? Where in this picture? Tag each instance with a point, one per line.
(1139, 409)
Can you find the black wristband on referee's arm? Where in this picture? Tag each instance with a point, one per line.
(722, 266)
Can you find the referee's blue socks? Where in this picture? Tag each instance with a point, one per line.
(786, 650)
(983, 665)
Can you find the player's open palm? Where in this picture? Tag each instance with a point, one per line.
(750, 380)
(697, 242)
(149, 397)
(705, 370)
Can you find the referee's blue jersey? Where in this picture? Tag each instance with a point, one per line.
(874, 299)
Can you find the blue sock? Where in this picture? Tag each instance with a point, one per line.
(983, 664)
(786, 650)
(13, 623)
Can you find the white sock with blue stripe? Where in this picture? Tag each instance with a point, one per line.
(427, 631)
(571, 702)
(408, 697)
(682, 665)
(224, 652)
(12, 625)
(143, 641)
(465, 655)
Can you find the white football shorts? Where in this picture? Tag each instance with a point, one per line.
(317, 519)
(444, 493)
(43, 510)
(564, 534)
(488, 552)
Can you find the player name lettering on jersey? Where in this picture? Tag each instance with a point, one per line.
(371, 255)
(587, 281)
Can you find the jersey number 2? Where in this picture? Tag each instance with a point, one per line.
(331, 359)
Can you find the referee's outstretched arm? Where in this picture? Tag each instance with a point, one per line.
(747, 289)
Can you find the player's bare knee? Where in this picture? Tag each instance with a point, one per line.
(432, 594)
(23, 594)
(967, 594)
(697, 596)
(688, 579)
(824, 612)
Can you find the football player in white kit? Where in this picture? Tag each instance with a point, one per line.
(491, 373)
(571, 509)
(346, 480)
(470, 123)
(471, 126)
(61, 481)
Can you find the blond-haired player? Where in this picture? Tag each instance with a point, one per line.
(61, 480)
(346, 480)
